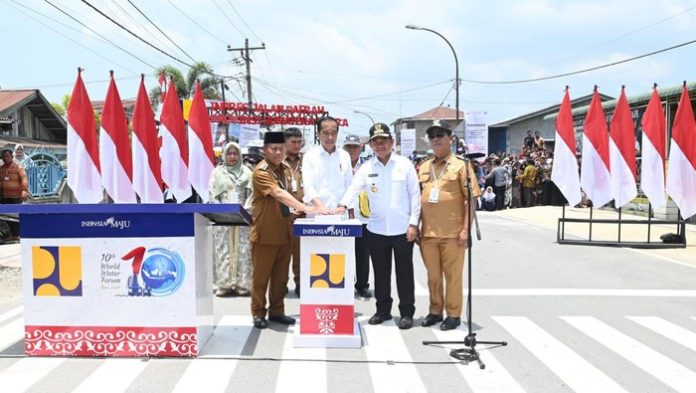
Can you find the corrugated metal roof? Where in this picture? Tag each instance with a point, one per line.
(636, 100)
(9, 98)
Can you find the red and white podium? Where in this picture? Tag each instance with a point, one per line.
(327, 266)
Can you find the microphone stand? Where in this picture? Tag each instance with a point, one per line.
(469, 354)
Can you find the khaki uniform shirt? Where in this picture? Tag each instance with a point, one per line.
(271, 223)
(445, 219)
(295, 170)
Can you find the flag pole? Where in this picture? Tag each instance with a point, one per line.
(620, 225)
(649, 219)
(591, 209)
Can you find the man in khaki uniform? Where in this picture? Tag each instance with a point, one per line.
(444, 217)
(293, 158)
(271, 229)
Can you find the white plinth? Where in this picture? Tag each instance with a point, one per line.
(327, 341)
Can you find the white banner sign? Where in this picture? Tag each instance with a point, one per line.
(248, 133)
(408, 141)
(476, 131)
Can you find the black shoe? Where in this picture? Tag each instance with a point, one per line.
(260, 323)
(282, 319)
(431, 319)
(379, 318)
(405, 323)
(450, 323)
(363, 293)
(297, 291)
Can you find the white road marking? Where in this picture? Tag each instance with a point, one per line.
(652, 362)
(13, 313)
(572, 368)
(228, 339)
(669, 330)
(309, 376)
(11, 333)
(113, 375)
(22, 375)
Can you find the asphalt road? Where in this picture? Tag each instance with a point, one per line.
(577, 318)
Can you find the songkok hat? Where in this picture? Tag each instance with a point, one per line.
(273, 137)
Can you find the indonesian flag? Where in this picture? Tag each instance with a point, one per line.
(114, 148)
(84, 177)
(201, 160)
(147, 174)
(174, 153)
(565, 163)
(622, 153)
(594, 172)
(681, 177)
(652, 165)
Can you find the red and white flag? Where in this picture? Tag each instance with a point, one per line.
(652, 163)
(595, 177)
(174, 151)
(114, 148)
(622, 153)
(147, 174)
(681, 174)
(565, 162)
(201, 159)
(84, 177)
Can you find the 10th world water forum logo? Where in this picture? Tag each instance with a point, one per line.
(327, 270)
(57, 270)
(161, 273)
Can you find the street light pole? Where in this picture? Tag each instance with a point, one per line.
(363, 113)
(456, 63)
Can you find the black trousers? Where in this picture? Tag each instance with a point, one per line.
(499, 197)
(362, 261)
(381, 248)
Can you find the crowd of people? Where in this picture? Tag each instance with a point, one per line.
(397, 205)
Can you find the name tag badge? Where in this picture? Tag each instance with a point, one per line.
(373, 175)
(434, 196)
(293, 185)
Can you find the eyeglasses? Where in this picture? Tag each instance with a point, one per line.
(437, 135)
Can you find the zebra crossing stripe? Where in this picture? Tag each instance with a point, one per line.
(11, 333)
(298, 375)
(383, 343)
(13, 313)
(117, 373)
(669, 330)
(652, 362)
(494, 378)
(229, 338)
(572, 368)
(22, 375)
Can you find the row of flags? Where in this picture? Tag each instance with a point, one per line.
(608, 167)
(128, 165)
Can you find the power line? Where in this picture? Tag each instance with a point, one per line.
(392, 93)
(195, 23)
(135, 35)
(625, 35)
(227, 17)
(160, 30)
(243, 21)
(61, 34)
(100, 35)
(582, 70)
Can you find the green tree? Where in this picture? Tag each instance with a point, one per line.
(62, 108)
(185, 85)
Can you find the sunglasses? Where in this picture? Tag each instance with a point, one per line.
(437, 135)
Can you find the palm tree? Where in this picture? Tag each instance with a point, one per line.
(185, 86)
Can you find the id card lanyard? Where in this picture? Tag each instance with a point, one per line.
(434, 196)
(293, 180)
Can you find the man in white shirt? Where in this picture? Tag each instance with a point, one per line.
(392, 187)
(361, 210)
(326, 170)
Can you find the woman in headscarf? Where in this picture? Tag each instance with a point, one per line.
(230, 182)
(21, 158)
(488, 199)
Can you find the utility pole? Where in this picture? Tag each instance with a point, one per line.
(244, 52)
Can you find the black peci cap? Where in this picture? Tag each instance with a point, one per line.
(273, 137)
(438, 126)
(379, 130)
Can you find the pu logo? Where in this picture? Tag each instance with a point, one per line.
(327, 270)
(57, 271)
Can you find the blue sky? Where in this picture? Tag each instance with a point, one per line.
(343, 54)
